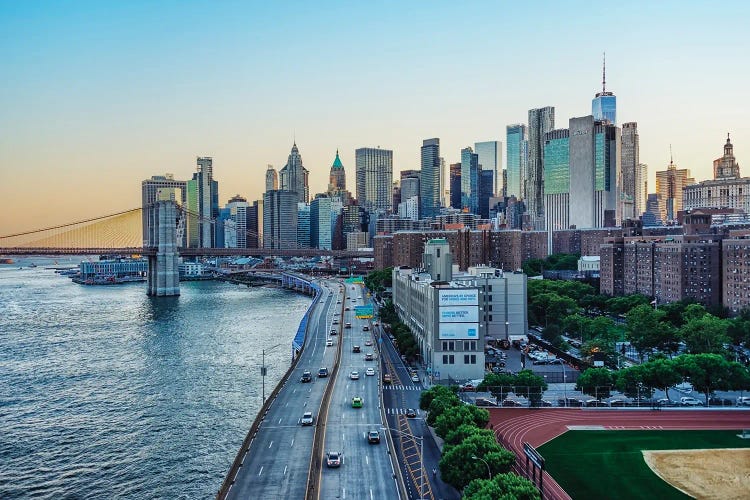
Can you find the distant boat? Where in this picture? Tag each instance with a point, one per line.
(32, 265)
(5, 260)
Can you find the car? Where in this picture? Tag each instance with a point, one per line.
(365, 328)
(468, 387)
(512, 403)
(306, 376)
(556, 361)
(334, 332)
(338, 302)
(743, 401)
(356, 401)
(335, 322)
(329, 342)
(368, 343)
(354, 375)
(665, 402)
(368, 356)
(717, 401)
(355, 348)
(323, 372)
(307, 418)
(411, 413)
(375, 324)
(348, 325)
(334, 459)
(370, 372)
(484, 402)
(415, 378)
(690, 401)
(373, 437)
(347, 308)
(387, 379)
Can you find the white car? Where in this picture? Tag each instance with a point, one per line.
(354, 375)
(370, 372)
(415, 378)
(688, 401)
(329, 342)
(307, 418)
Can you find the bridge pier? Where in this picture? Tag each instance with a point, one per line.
(163, 273)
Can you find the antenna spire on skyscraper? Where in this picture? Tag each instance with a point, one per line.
(604, 72)
(671, 162)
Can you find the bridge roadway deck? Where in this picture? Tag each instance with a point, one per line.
(278, 461)
(366, 472)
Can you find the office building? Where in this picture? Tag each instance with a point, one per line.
(491, 158)
(727, 189)
(736, 271)
(280, 219)
(236, 225)
(272, 179)
(409, 185)
(158, 188)
(304, 230)
(641, 189)
(486, 181)
(202, 204)
(337, 177)
(455, 185)
(469, 180)
(669, 189)
(629, 165)
(374, 172)
(294, 176)
(557, 179)
(429, 180)
(604, 104)
(321, 223)
(541, 121)
(516, 149)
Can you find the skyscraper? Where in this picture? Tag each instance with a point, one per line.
(374, 168)
(604, 104)
(541, 121)
(491, 158)
(320, 223)
(557, 179)
(629, 165)
(455, 185)
(470, 180)
(337, 178)
(294, 176)
(280, 219)
(272, 179)
(202, 204)
(514, 143)
(641, 189)
(429, 181)
(410, 184)
(669, 188)
(236, 228)
(486, 182)
(304, 236)
(160, 187)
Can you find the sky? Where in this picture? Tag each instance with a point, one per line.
(97, 96)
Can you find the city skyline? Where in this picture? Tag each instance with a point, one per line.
(100, 97)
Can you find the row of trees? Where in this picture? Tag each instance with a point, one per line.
(466, 441)
(705, 372)
(405, 341)
(378, 281)
(555, 262)
(524, 383)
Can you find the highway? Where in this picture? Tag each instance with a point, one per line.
(278, 460)
(366, 472)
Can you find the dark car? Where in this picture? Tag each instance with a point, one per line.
(484, 402)
(411, 413)
(306, 376)
(373, 437)
(323, 372)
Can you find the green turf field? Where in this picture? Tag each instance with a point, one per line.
(609, 464)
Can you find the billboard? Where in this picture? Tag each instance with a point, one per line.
(459, 331)
(458, 297)
(459, 314)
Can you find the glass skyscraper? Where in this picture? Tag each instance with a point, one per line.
(470, 180)
(541, 121)
(429, 181)
(491, 158)
(604, 104)
(374, 169)
(557, 179)
(515, 151)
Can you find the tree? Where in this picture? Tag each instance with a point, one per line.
(532, 267)
(377, 281)
(675, 311)
(575, 325)
(622, 305)
(502, 487)
(551, 308)
(458, 468)
(593, 303)
(530, 385)
(436, 391)
(631, 382)
(499, 384)
(739, 328)
(463, 432)
(440, 405)
(645, 329)
(705, 334)
(660, 373)
(693, 311)
(455, 416)
(706, 372)
(595, 382)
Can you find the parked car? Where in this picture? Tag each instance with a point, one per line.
(665, 402)
(468, 387)
(484, 402)
(717, 401)
(512, 403)
(690, 401)
(743, 401)
(386, 379)
(415, 378)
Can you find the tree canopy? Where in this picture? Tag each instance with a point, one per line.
(501, 487)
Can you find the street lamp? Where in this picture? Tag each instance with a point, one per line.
(489, 473)
(263, 371)
(421, 457)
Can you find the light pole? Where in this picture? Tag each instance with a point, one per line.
(421, 457)
(263, 371)
(489, 473)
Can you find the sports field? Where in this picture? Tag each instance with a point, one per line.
(605, 464)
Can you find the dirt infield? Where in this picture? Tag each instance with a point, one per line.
(514, 426)
(704, 474)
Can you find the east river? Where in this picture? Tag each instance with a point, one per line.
(108, 393)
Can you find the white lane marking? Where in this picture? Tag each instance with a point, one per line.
(286, 405)
(270, 444)
(292, 443)
(343, 437)
(367, 460)
(280, 420)
(371, 497)
(285, 475)
(260, 471)
(343, 493)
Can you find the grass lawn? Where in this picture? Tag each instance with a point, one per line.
(609, 464)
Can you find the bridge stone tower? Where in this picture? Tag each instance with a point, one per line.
(163, 275)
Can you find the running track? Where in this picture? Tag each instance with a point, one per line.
(514, 426)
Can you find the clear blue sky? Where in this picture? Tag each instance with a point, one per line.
(97, 96)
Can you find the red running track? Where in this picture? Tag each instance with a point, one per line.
(514, 426)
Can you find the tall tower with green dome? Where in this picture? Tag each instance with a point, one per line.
(337, 180)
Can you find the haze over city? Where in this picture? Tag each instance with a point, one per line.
(99, 96)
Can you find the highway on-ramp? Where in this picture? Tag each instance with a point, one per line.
(278, 460)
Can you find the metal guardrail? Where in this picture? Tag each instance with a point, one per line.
(245, 448)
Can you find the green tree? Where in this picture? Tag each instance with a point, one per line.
(694, 311)
(706, 372)
(596, 382)
(456, 416)
(739, 328)
(440, 405)
(378, 281)
(458, 468)
(574, 325)
(499, 384)
(622, 305)
(462, 432)
(631, 382)
(436, 391)
(593, 303)
(531, 386)
(532, 267)
(551, 308)
(501, 487)
(705, 334)
(675, 311)
(661, 374)
(645, 329)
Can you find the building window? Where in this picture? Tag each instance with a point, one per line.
(470, 359)
(448, 359)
